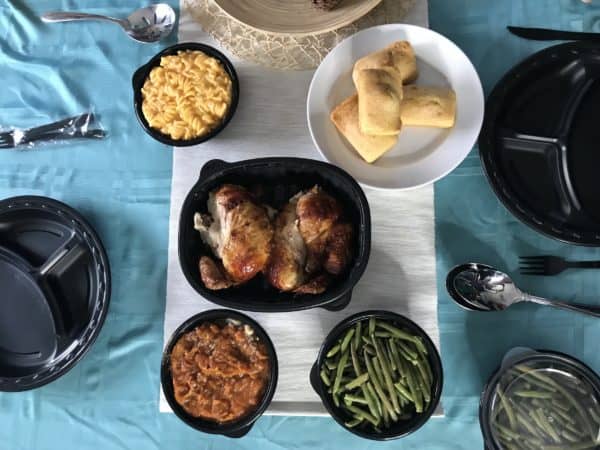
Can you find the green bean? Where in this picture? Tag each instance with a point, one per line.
(373, 373)
(580, 446)
(578, 408)
(336, 400)
(385, 369)
(395, 356)
(370, 350)
(396, 331)
(424, 375)
(330, 364)
(533, 394)
(366, 340)
(357, 331)
(354, 357)
(404, 354)
(371, 402)
(340, 370)
(373, 396)
(355, 399)
(427, 365)
(402, 402)
(414, 390)
(546, 425)
(563, 415)
(362, 414)
(388, 352)
(372, 324)
(569, 436)
(594, 415)
(425, 391)
(354, 422)
(386, 418)
(413, 355)
(404, 393)
(509, 412)
(333, 350)
(537, 421)
(382, 334)
(325, 377)
(527, 424)
(346, 340)
(571, 427)
(379, 390)
(420, 346)
(358, 381)
(503, 430)
(559, 404)
(534, 381)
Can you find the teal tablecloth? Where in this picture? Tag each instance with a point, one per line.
(110, 399)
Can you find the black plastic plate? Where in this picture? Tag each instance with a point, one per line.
(55, 290)
(276, 180)
(539, 144)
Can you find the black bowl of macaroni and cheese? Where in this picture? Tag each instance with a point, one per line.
(186, 94)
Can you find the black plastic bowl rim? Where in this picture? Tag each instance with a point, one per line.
(401, 429)
(90, 333)
(240, 427)
(527, 357)
(140, 75)
(334, 298)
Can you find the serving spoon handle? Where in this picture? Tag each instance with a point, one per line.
(58, 16)
(584, 309)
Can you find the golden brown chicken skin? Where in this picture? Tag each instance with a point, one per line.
(311, 243)
(239, 231)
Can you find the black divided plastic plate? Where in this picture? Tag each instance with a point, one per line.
(54, 290)
(540, 142)
(275, 180)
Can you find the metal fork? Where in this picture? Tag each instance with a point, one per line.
(551, 265)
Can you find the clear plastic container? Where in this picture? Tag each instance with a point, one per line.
(541, 400)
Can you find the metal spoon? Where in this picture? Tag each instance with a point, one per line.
(150, 24)
(478, 287)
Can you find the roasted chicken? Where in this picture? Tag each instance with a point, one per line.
(311, 243)
(239, 231)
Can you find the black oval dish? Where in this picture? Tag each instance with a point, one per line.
(140, 75)
(400, 429)
(529, 356)
(538, 144)
(279, 179)
(234, 429)
(55, 282)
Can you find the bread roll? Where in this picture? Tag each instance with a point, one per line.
(428, 106)
(379, 101)
(400, 55)
(345, 118)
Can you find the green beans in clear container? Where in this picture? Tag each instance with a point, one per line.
(549, 401)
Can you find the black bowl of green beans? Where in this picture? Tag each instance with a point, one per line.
(379, 375)
(541, 400)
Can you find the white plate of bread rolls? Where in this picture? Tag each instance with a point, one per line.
(397, 106)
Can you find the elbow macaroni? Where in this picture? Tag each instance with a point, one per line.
(187, 95)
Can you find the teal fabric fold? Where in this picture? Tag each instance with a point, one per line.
(109, 400)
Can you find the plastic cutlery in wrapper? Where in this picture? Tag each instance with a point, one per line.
(76, 127)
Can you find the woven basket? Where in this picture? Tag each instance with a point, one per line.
(279, 51)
